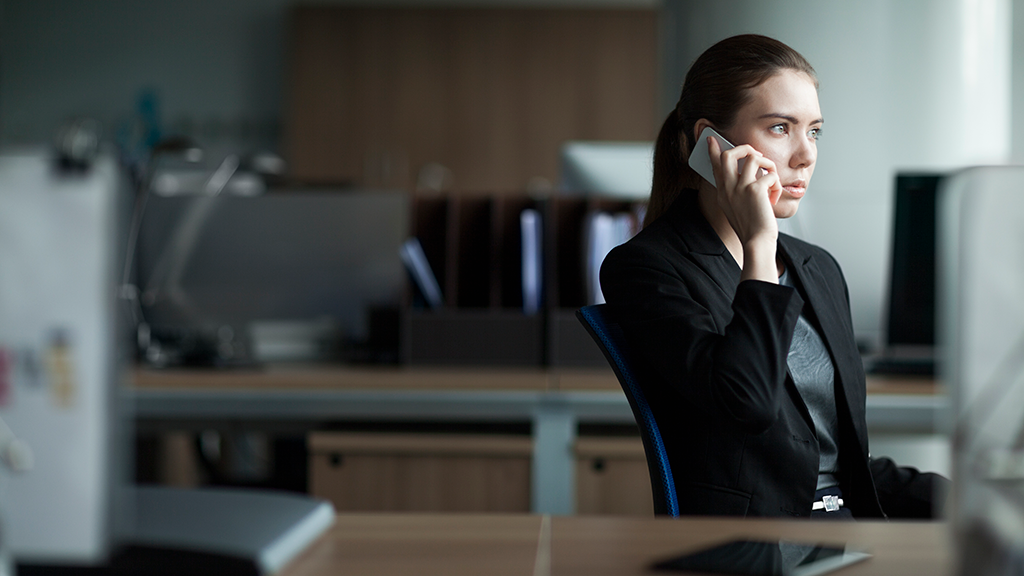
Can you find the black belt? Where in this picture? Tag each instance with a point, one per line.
(828, 503)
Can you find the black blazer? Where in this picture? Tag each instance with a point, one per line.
(713, 353)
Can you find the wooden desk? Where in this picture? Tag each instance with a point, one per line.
(553, 401)
(452, 545)
(336, 377)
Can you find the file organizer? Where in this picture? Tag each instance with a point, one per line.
(474, 247)
(568, 344)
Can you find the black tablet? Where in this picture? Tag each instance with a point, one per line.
(765, 558)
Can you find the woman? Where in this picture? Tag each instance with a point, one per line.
(744, 334)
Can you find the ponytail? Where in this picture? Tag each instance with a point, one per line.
(672, 173)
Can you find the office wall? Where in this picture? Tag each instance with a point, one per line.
(217, 66)
(378, 95)
(904, 85)
(1017, 86)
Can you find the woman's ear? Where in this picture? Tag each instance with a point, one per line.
(699, 127)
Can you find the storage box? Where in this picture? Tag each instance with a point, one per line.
(473, 337)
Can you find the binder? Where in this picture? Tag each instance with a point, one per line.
(604, 231)
(419, 269)
(530, 227)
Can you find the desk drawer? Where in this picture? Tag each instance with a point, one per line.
(612, 477)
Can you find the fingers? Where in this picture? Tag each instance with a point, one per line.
(714, 149)
(715, 154)
(762, 172)
(751, 168)
(774, 187)
(727, 164)
(736, 160)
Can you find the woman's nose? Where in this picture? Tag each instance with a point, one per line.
(805, 154)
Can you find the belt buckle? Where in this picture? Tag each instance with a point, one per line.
(831, 503)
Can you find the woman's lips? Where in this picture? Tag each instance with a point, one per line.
(795, 190)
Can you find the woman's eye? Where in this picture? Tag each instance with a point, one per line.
(815, 133)
(778, 129)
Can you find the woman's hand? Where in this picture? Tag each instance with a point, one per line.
(746, 196)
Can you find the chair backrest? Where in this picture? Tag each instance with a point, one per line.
(608, 335)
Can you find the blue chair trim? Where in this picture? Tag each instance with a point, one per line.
(608, 335)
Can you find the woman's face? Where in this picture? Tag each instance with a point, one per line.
(782, 120)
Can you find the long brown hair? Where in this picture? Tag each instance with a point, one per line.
(717, 85)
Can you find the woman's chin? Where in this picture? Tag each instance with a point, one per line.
(786, 207)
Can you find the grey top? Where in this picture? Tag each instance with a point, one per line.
(812, 371)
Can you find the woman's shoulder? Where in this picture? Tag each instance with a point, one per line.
(681, 229)
(658, 242)
(644, 250)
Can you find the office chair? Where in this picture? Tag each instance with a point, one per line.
(608, 335)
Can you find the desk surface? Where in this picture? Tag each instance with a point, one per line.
(304, 377)
(451, 545)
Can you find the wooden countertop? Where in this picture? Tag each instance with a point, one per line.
(452, 545)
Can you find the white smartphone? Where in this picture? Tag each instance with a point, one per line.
(700, 161)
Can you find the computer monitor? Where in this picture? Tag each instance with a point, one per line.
(283, 264)
(910, 311)
(982, 337)
(613, 169)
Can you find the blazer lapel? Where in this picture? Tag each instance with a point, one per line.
(721, 268)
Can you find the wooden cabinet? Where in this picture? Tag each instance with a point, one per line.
(360, 471)
(421, 472)
(377, 94)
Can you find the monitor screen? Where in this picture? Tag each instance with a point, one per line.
(296, 256)
(911, 308)
(615, 169)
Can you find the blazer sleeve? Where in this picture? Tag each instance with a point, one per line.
(724, 354)
(905, 492)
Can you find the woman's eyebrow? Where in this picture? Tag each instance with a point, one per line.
(788, 118)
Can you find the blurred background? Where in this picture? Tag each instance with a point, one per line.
(905, 85)
(278, 155)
